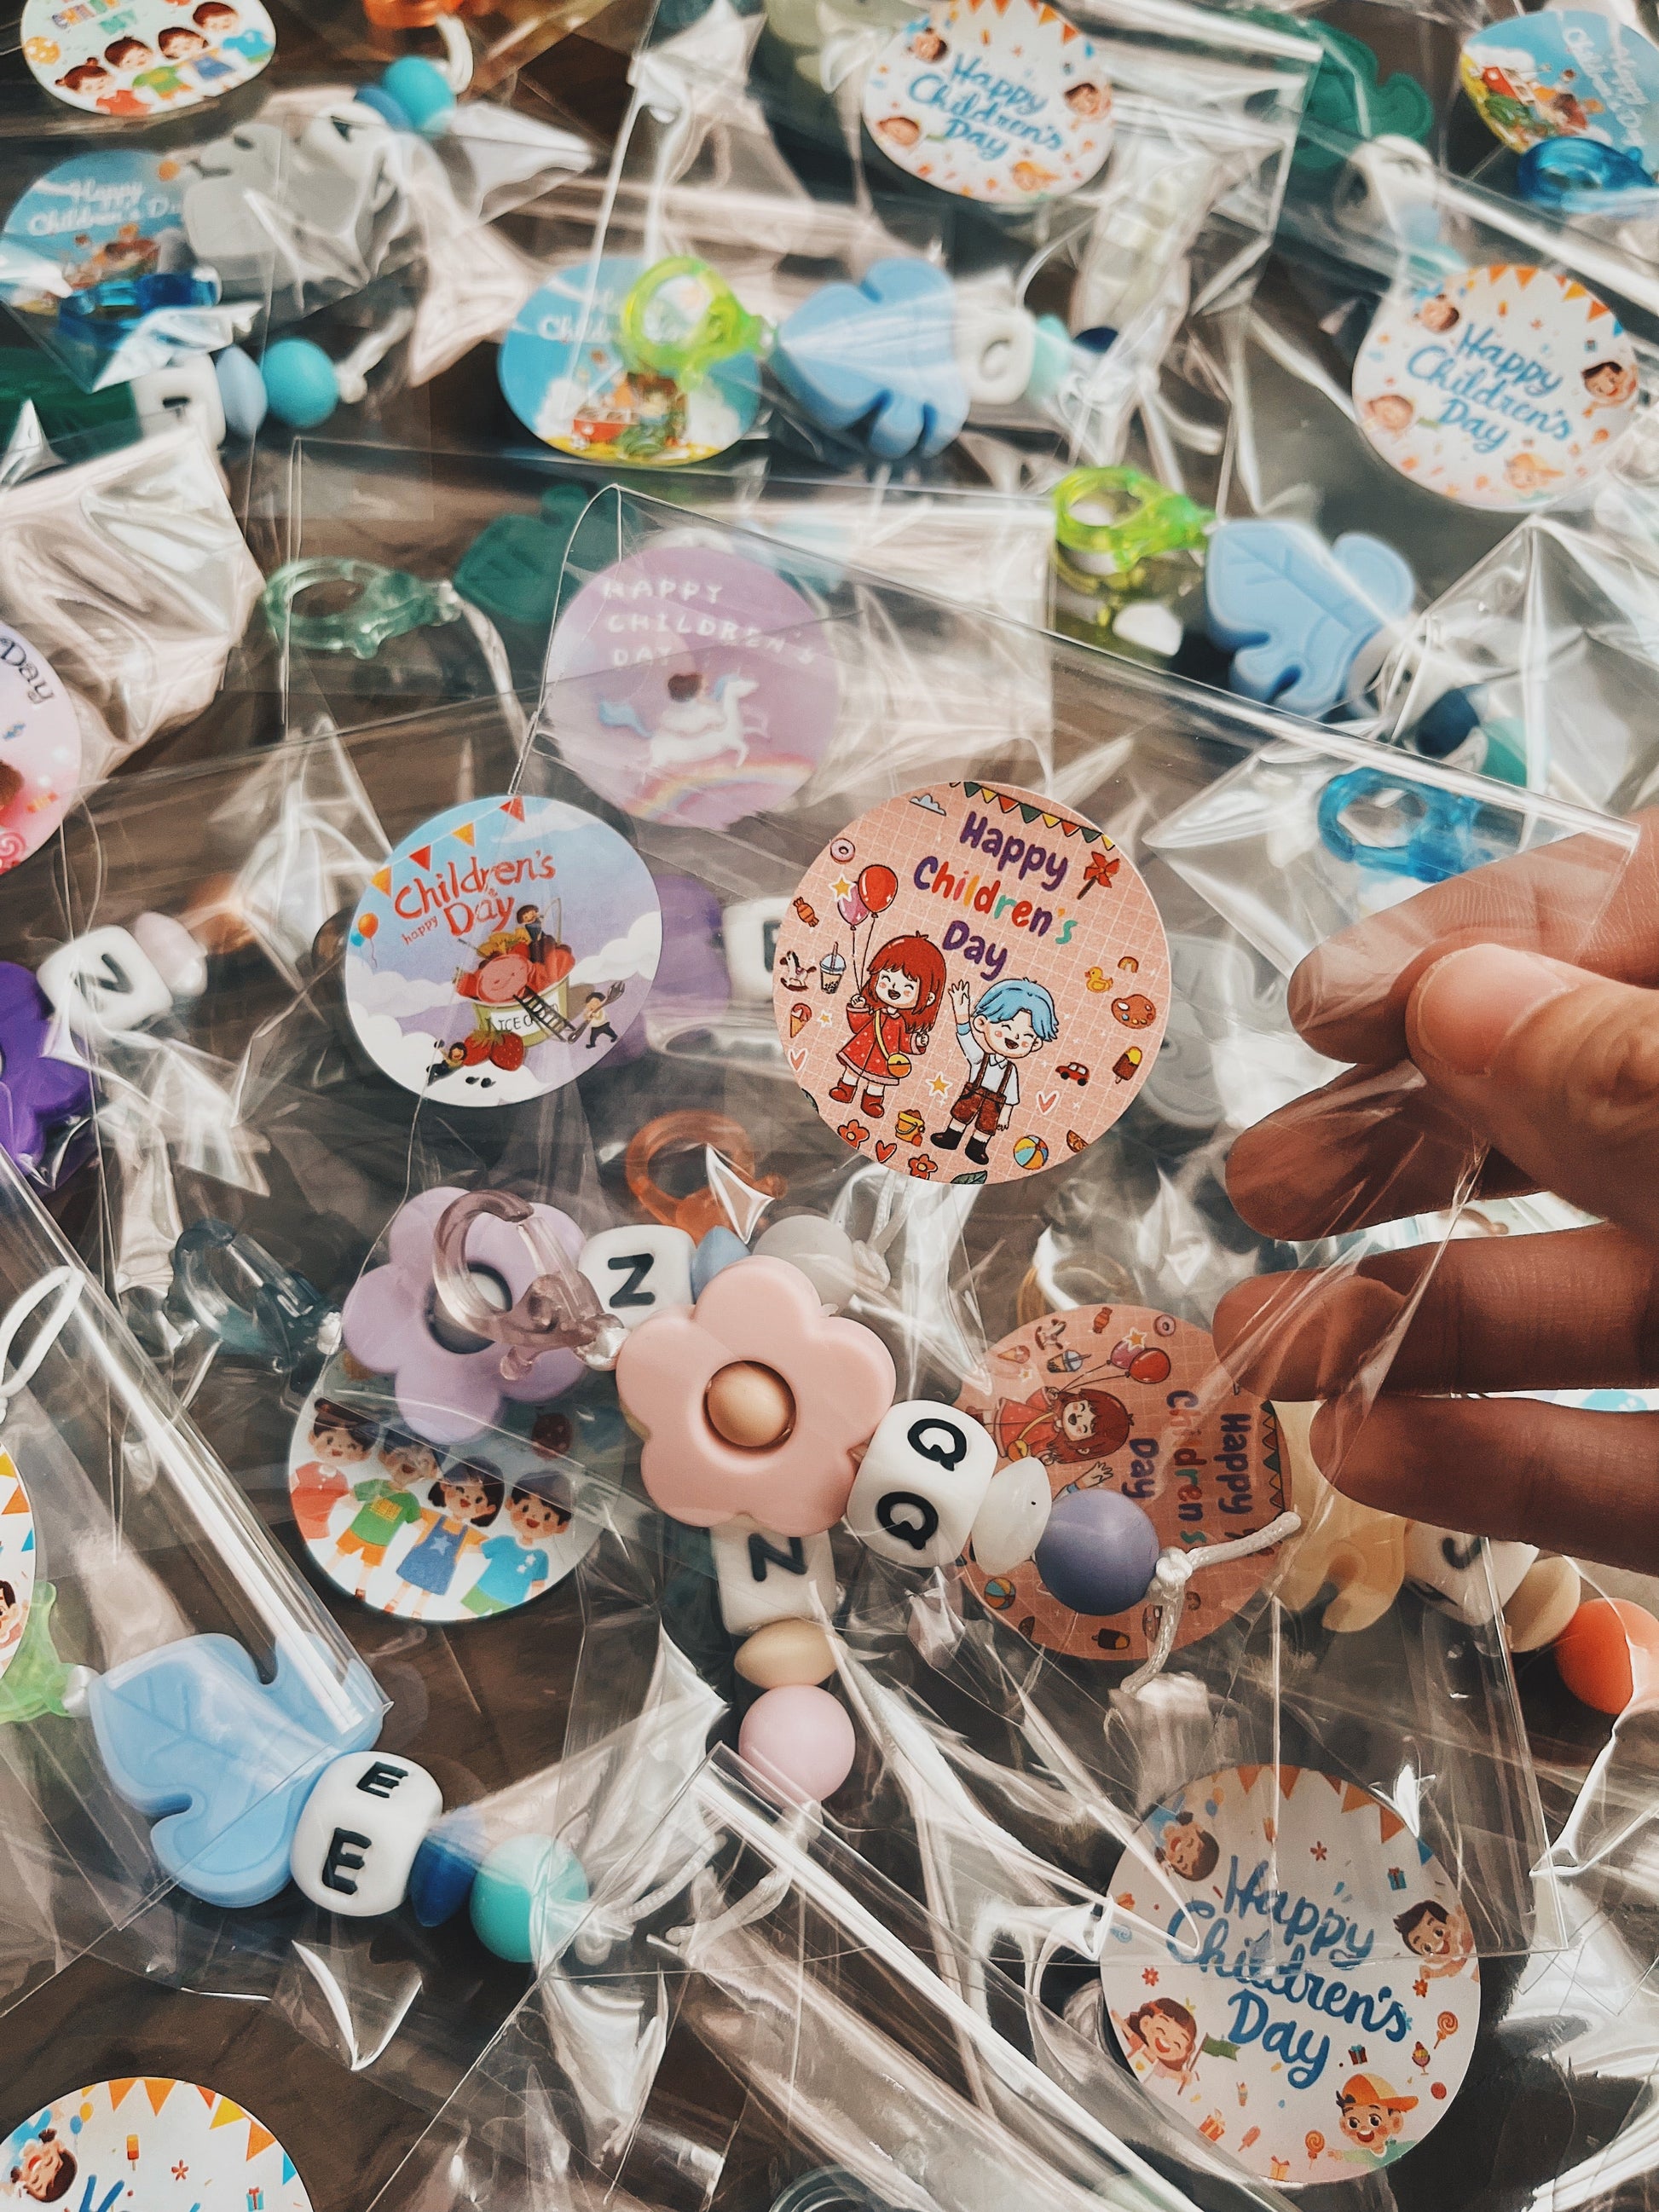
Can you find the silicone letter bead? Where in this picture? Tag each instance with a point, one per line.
(922, 1482)
(1009, 1525)
(361, 1830)
(104, 983)
(765, 1576)
(638, 1272)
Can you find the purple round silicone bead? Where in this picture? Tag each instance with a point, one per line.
(449, 1385)
(38, 1093)
(1098, 1554)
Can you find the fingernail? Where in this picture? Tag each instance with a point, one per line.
(1470, 1005)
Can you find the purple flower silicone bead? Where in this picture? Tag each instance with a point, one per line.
(37, 1092)
(448, 1383)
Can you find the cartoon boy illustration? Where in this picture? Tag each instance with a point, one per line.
(1609, 383)
(1012, 1019)
(11, 1617)
(1168, 2034)
(1188, 1849)
(44, 2171)
(595, 1017)
(179, 42)
(340, 1438)
(891, 1016)
(467, 1498)
(221, 22)
(927, 46)
(516, 1565)
(1524, 472)
(127, 53)
(1090, 100)
(1373, 2115)
(1390, 411)
(1438, 314)
(385, 1507)
(1441, 1940)
(899, 130)
(1062, 1427)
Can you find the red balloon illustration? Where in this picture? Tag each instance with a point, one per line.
(878, 887)
(367, 924)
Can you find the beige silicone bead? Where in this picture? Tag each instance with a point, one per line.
(785, 1652)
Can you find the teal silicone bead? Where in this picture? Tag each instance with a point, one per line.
(299, 383)
(529, 1897)
(421, 90)
(1053, 362)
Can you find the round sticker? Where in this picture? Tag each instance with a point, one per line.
(1288, 1967)
(1565, 73)
(1132, 1401)
(16, 1560)
(564, 378)
(503, 949)
(109, 214)
(144, 57)
(40, 749)
(698, 686)
(993, 100)
(454, 1532)
(971, 983)
(148, 2139)
(1506, 388)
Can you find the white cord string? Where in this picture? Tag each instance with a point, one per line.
(1175, 1569)
(57, 1279)
(458, 54)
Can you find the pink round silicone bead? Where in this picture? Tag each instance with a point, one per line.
(800, 1741)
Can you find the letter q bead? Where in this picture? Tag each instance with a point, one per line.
(921, 1483)
(356, 1842)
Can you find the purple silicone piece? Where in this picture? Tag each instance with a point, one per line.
(37, 1092)
(447, 1395)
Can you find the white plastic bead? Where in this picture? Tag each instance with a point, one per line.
(1009, 1525)
(638, 1272)
(356, 1842)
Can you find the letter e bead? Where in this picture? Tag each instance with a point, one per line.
(922, 1482)
(355, 1841)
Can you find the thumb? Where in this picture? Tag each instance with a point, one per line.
(1557, 1067)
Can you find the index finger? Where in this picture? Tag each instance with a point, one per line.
(1571, 900)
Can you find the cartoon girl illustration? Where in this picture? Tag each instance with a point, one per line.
(506, 974)
(1438, 314)
(1390, 411)
(1609, 383)
(1090, 100)
(1525, 473)
(11, 1617)
(340, 1439)
(891, 1017)
(1062, 1428)
(1441, 1940)
(93, 80)
(1188, 1849)
(127, 53)
(1167, 2033)
(927, 46)
(468, 1497)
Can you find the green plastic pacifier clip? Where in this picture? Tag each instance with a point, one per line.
(657, 333)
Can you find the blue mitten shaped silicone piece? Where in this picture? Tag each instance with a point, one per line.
(189, 1732)
(1296, 611)
(883, 349)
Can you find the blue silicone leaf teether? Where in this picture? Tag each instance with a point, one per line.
(883, 349)
(1297, 612)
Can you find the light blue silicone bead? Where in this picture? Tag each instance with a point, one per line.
(1053, 362)
(422, 91)
(529, 1897)
(720, 1248)
(379, 101)
(242, 393)
(299, 383)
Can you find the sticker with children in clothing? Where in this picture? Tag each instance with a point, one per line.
(1124, 1398)
(1565, 73)
(149, 2140)
(441, 1532)
(503, 949)
(971, 983)
(1001, 100)
(16, 1560)
(1506, 387)
(689, 684)
(140, 57)
(1292, 1970)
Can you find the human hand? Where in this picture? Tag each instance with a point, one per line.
(1467, 1025)
(959, 1001)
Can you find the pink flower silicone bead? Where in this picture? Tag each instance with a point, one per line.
(754, 1401)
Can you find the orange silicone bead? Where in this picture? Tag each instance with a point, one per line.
(1608, 1656)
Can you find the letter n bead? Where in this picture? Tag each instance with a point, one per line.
(356, 1842)
(922, 1482)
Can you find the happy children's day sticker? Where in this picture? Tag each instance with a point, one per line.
(117, 212)
(1124, 1398)
(1565, 73)
(1001, 100)
(149, 2140)
(40, 749)
(139, 57)
(1507, 388)
(1292, 1971)
(501, 951)
(16, 1560)
(697, 686)
(970, 983)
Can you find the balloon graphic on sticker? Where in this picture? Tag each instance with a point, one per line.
(16, 1562)
(40, 749)
(999, 101)
(932, 994)
(148, 2138)
(501, 951)
(115, 213)
(1565, 73)
(1509, 388)
(147, 57)
(694, 686)
(1281, 1953)
(563, 377)
(1124, 1398)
